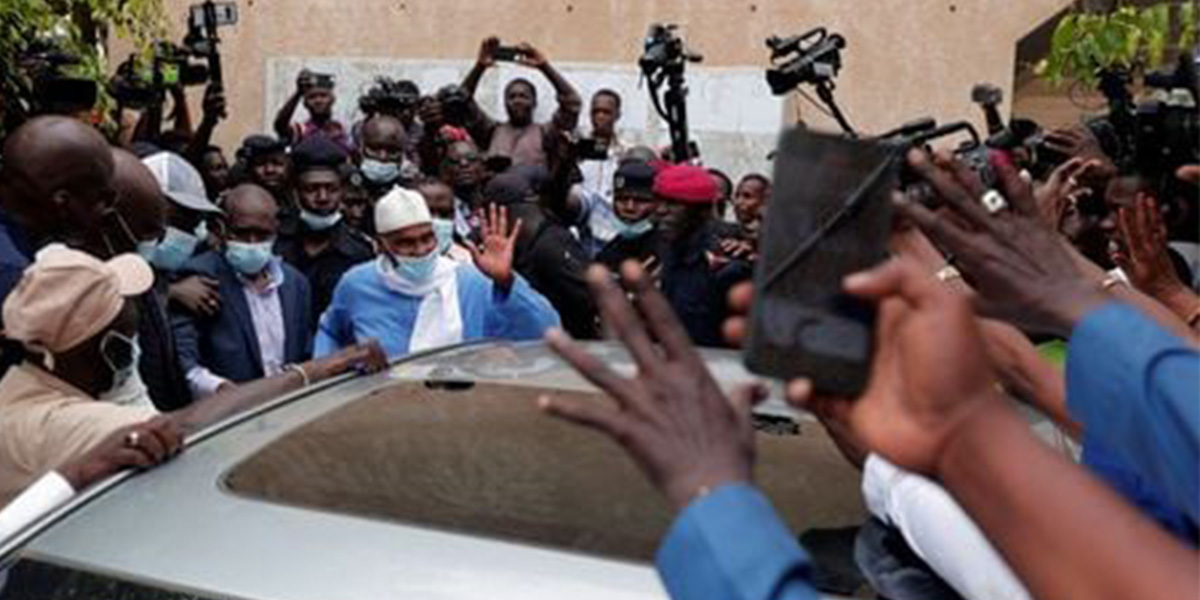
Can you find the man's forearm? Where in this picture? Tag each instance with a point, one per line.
(242, 397)
(283, 119)
(1062, 531)
(570, 104)
(471, 82)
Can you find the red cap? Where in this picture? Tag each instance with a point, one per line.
(686, 184)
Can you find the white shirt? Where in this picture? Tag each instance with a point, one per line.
(46, 494)
(266, 315)
(939, 531)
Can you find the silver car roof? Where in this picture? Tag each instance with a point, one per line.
(177, 527)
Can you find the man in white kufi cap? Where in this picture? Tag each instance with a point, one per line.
(412, 298)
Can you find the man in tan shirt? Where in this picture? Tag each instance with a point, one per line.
(71, 313)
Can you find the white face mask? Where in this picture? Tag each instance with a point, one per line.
(127, 389)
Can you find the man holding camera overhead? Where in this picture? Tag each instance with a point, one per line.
(520, 139)
(316, 90)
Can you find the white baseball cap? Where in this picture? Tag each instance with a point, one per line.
(401, 208)
(180, 181)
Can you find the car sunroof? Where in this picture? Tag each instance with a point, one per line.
(480, 459)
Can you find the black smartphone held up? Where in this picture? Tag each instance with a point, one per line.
(830, 216)
(506, 53)
(591, 149)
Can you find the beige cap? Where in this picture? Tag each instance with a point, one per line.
(66, 297)
(400, 208)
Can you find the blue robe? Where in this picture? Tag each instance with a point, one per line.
(363, 307)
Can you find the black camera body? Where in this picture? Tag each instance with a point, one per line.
(455, 103)
(972, 152)
(813, 57)
(390, 97)
(194, 61)
(663, 50)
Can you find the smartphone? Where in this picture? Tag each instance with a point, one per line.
(224, 13)
(591, 149)
(506, 53)
(830, 216)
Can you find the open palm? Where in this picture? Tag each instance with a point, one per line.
(494, 255)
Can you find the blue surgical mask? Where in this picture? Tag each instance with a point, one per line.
(444, 230)
(377, 171)
(147, 250)
(635, 229)
(317, 222)
(176, 248)
(415, 270)
(249, 259)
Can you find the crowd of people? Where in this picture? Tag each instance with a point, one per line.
(151, 286)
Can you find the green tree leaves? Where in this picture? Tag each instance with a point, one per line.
(1083, 44)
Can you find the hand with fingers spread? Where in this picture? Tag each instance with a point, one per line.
(1064, 186)
(1023, 271)
(1144, 259)
(672, 417)
(1079, 142)
(494, 255)
(138, 446)
(924, 390)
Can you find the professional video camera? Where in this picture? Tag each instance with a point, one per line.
(1155, 137)
(973, 152)
(664, 60)
(812, 58)
(195, 61)
(390, 96)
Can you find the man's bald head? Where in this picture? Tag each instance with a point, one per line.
(251, 214)
(57, 178)
(383, 138)
(140, 201)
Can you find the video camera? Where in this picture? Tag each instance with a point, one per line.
(664, 60)
(973, 152)
(389, 96)
(1155, 137)
(195, 61)
(46, 87)
(813, 57)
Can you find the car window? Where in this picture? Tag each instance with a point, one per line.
(33, 580)
(478, 458)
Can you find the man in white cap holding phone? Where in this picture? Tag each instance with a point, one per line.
(412, 298)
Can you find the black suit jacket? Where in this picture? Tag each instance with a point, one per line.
(226, 343)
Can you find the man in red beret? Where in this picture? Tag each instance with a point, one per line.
(696, 287)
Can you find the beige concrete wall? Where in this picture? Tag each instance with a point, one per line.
(906, 58)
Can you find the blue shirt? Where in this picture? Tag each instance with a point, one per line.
(731, 545)
(363, 307)
(1135, 388)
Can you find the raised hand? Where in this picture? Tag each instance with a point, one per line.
(672, 418)
(487, 52)
(1143, 254)
(494, 255)
(1023, 271)
(531, 57)
(924, 391)
(1063, 187)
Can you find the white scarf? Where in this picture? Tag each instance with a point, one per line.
(439, 320)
